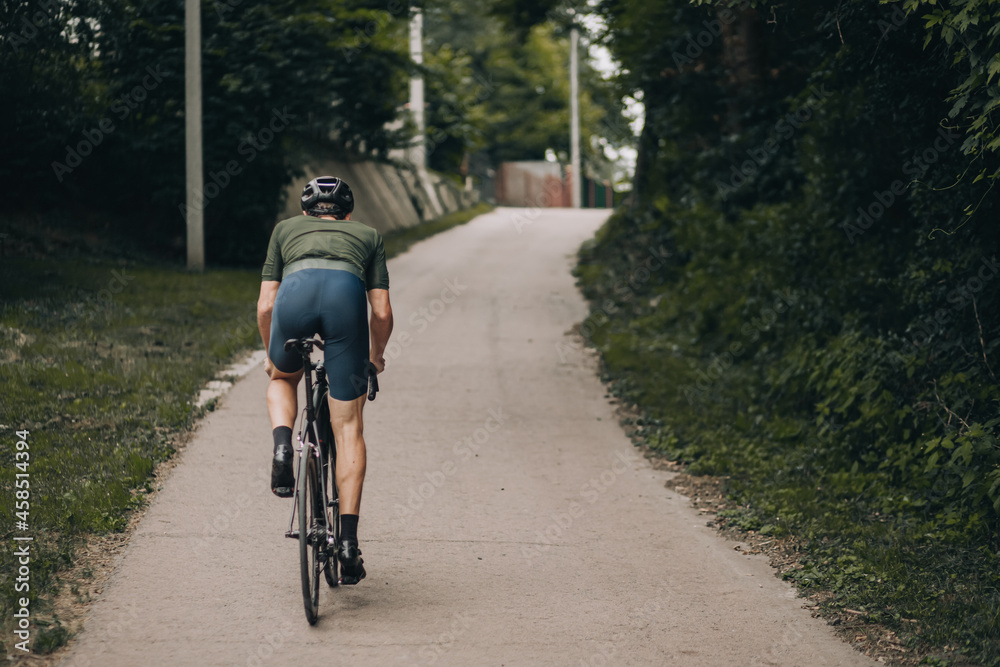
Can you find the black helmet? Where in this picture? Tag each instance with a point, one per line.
(328, 190)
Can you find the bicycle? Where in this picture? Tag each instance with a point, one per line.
(316, 502)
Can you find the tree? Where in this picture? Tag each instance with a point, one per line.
(279, 78)
(507, 92)
(821, 175)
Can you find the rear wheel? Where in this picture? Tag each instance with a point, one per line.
(312, 530)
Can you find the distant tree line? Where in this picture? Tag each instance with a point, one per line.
(93, 120)
(94, 111)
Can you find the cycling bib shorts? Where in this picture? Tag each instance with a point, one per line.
(332, 303)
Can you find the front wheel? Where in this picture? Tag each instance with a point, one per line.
(333, 538)
(329, 450)
(312, 530)
(333, 516)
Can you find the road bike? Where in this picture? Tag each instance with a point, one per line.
(315, 521)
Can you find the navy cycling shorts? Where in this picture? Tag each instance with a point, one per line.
(333, 304)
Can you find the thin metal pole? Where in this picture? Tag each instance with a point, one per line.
(419, 152)
(192, 133)
(574, 112)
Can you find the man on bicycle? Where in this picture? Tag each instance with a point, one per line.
(320, 266)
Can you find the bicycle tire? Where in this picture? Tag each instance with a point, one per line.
(329, 449)
(309, 539)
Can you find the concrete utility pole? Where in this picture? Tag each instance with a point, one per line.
(192, 135)
(574, 113)
(418, 152)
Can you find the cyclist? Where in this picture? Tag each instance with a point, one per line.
(319, 267)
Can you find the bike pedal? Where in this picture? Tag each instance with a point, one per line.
(333, 503)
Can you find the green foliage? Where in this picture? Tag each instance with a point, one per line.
(96, 106)
(971, 30)
(810, 334)
(522, 15)
(506, 91)
(50, 638)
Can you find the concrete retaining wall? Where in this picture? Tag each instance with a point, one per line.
(387, 196)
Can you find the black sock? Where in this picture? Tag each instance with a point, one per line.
(349, 527)
(282, 436)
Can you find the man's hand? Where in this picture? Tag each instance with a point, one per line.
(268, 366)
(379, 363)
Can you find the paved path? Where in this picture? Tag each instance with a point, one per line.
(506, 519)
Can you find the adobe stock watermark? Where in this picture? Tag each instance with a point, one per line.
(960, 298)
(439, 135)
(791, 636)
(606, 652)
(590, 493)
(270, 645)
(916, 167)
(464, 450)
(30, 25)
(421, 318)
(694, 45)
(440, 643)
(551, 191)
(243, 327)
(121, 623)
(249, 148)
(601, 313)
(100, 303)
(94, 137)
(363, 38)
(751, 332)
(893, 22)
(784, 129)
(227, 519)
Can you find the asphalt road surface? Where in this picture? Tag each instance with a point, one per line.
(506, 518)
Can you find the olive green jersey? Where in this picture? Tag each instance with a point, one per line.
(305, 237)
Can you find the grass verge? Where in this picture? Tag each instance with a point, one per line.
(99, 364)
(868, 541)
(100, 361)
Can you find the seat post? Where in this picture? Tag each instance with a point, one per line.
(307, 372)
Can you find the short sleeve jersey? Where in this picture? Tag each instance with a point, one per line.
(349, 241)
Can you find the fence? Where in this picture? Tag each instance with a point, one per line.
(547, 184)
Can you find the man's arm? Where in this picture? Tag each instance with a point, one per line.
(380, 325)
(265, 306)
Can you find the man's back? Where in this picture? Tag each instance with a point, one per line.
(307, 237)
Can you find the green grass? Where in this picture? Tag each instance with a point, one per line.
(100, 361)
(885, 543)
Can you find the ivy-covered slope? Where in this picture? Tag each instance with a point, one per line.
(803, 294)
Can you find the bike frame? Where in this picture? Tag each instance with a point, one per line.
(321, 533)
(314, 394)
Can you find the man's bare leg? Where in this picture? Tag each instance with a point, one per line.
(348, 432)
(283, 397)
